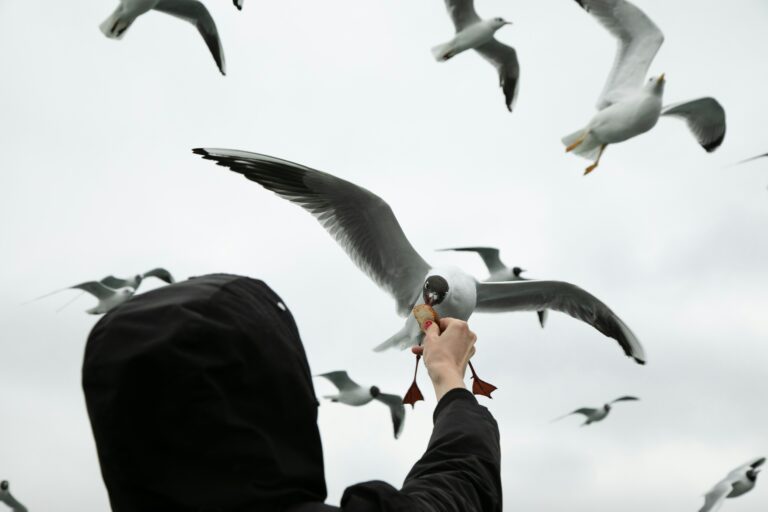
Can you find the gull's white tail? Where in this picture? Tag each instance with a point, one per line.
(115, 26)
(589, 147)
(443, 52)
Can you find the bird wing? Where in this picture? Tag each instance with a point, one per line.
(360, 221)
(625, 399)
(341, 380)
(753, 464)
(238, 4)
(563, 297)
(114, 282)
(586, 411)
(753, 158)
(639, 39)
(95, 288)
(197, 14)
(490, 256)
(462, 13)
(504, 59)
(714, 498)
(705, 118)
(396, 409)
(159, 273)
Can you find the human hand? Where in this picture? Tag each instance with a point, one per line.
(447, 348)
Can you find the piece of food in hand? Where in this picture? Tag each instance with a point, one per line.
(424, 312)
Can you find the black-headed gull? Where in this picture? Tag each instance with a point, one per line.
(192, 11)
(135, 281)
(738, 482)
(628, 108)
(599, 413)
(109, 298)
(351, 393)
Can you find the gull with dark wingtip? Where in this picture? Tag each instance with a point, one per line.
(351, 393)
(136, 280)
(474, 33)
(499, 271)
(7, 498)
(738, 482)
(192, 11)
(626, 107)
(366, 228)
(599, 413)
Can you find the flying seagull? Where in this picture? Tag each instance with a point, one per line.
(498, 270)
(7, 498)
(626, 107)
(109, 298)
(474, 33)
(366, 228)
(351, 393)
(135, 281)
(600, 413)
(192, 11)
(739, 481)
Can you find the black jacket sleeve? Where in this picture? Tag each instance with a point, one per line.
(459, 472)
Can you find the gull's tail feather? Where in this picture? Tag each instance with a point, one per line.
(115, 26)
(400, 339)
(443, 52)
(589, 148)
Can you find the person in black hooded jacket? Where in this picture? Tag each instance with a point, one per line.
(201, 399)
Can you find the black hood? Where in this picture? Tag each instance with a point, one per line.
(201, 399)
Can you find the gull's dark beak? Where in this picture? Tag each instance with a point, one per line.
(430, 298)
(662, 78)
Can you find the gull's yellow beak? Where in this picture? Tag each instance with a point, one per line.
(661, 78)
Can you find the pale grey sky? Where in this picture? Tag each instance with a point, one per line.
(98, 178)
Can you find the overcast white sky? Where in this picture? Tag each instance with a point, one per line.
(98, 178)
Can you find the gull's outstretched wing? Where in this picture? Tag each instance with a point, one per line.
(625, 399)
(490, 256)
(341, 380)
(753, 464)
(753, 158)
(504, 59)
(397, 410)
(114, 282)
(639, 39)
(462, 13)
(705, 118)
(159, 273)
(563, 297)
(8, 498)
(714, 498)
(197, 14)
(586, 411)
(360, 221)
(238, 4)
(95, 288)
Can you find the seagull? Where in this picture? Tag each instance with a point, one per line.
(366, 228)
(599, 414)
(351, 393)
(109, 298)
(7, 498)
(498, 270)
(739, 481)
(135, 281)
(627, 107)
(477, 34)
(192, 11)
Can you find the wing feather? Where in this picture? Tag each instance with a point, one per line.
(705, 118)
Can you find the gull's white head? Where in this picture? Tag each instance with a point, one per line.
(656, 84)
(497, 23)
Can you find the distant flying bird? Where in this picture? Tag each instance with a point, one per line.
(739, 481)
(109, 298)
(477, 34)
(366, 228)
(598, 414)
(7, 498)
(628, 108)
(351, 393)
(135, 281)
(498, 270)
(192, 11)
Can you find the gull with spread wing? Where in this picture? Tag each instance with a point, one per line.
(599, 413)
(7, 498)
(135, 281)
(474, 33)
(366, 228)
(739, 481)
(192, 11)
(498, 270)
(627, 107)
(351, 393)
(109, 298)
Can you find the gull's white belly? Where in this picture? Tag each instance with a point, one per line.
(357, 397)
(626, 119)
(472, 37)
